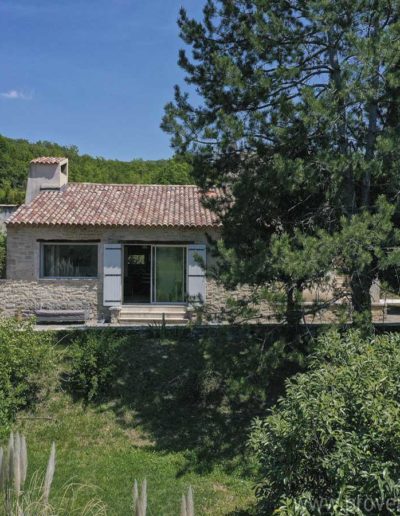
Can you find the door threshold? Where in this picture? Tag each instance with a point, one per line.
(155, 304)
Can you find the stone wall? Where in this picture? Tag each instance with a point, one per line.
(25, 290)
(217, 296)
(23, 243)
(5, 211)
(24, 297)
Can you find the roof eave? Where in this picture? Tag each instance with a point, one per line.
(133, 226)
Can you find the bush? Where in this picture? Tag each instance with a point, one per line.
(332, 445)
(27, 357)
(94, 359)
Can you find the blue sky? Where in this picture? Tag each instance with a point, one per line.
(93, 73)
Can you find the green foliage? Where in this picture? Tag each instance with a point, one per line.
(3, 253)
(15, 156)
(151, 422)
(95, 357)
(299, 115)
(99, 455)
(331, 445)
(27, 358)
(193, 391)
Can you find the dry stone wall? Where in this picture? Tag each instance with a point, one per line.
(24, 290)
(21, 297)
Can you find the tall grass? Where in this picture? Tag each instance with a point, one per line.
(19, 499)
(140, 499)
(13, 469)
(187, 506)
(48, 479)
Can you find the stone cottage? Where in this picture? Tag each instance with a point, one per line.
(129, 254)
(126, 253)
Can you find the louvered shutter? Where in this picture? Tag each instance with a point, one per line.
(196, 287)
(112, 286)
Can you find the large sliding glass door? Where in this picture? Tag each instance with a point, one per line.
(169, 274)
(154, 274)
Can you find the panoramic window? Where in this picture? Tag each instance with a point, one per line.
(69, 260)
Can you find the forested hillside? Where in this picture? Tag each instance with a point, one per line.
(16, 154)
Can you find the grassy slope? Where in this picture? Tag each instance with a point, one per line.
(177, 412)
(93, 448)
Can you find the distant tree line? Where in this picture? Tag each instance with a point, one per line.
(15, 156)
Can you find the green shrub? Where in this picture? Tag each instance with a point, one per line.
(95, 357)
(332, 445)
(26, 359)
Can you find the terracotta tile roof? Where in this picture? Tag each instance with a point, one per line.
(87, 204)
(48, 160)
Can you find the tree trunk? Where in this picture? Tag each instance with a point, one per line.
(372, 116)
(360, 284)
(362, 280)
(293, 310)
(348, 189)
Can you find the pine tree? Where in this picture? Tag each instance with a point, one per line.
(296, 113)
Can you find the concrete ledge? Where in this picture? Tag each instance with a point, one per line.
(60, 316)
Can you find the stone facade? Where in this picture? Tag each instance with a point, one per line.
(5, 211)
(21, 297)
(25, 290)
(23, 242)
(217, 296)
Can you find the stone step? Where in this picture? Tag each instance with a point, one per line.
(158, 309)
(139, 321)
(151, 315)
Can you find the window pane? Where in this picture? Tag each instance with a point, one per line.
(70, 261)
(170, 265)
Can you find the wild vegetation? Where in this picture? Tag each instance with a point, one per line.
(297, 111)
(221, 410)
(18, 497)
(27, 357)
(195, 393)
(15, 156)
(173, 407)
(331, 445)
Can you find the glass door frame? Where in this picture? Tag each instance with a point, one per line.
(153, 275)
(153, 257)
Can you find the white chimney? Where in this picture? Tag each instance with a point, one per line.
(46, 174)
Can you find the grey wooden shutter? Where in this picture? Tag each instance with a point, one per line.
(196, 285)
(112, 279)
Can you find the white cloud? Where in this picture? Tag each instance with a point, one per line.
(16, 95)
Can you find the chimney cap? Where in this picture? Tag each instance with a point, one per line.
(48, 160)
